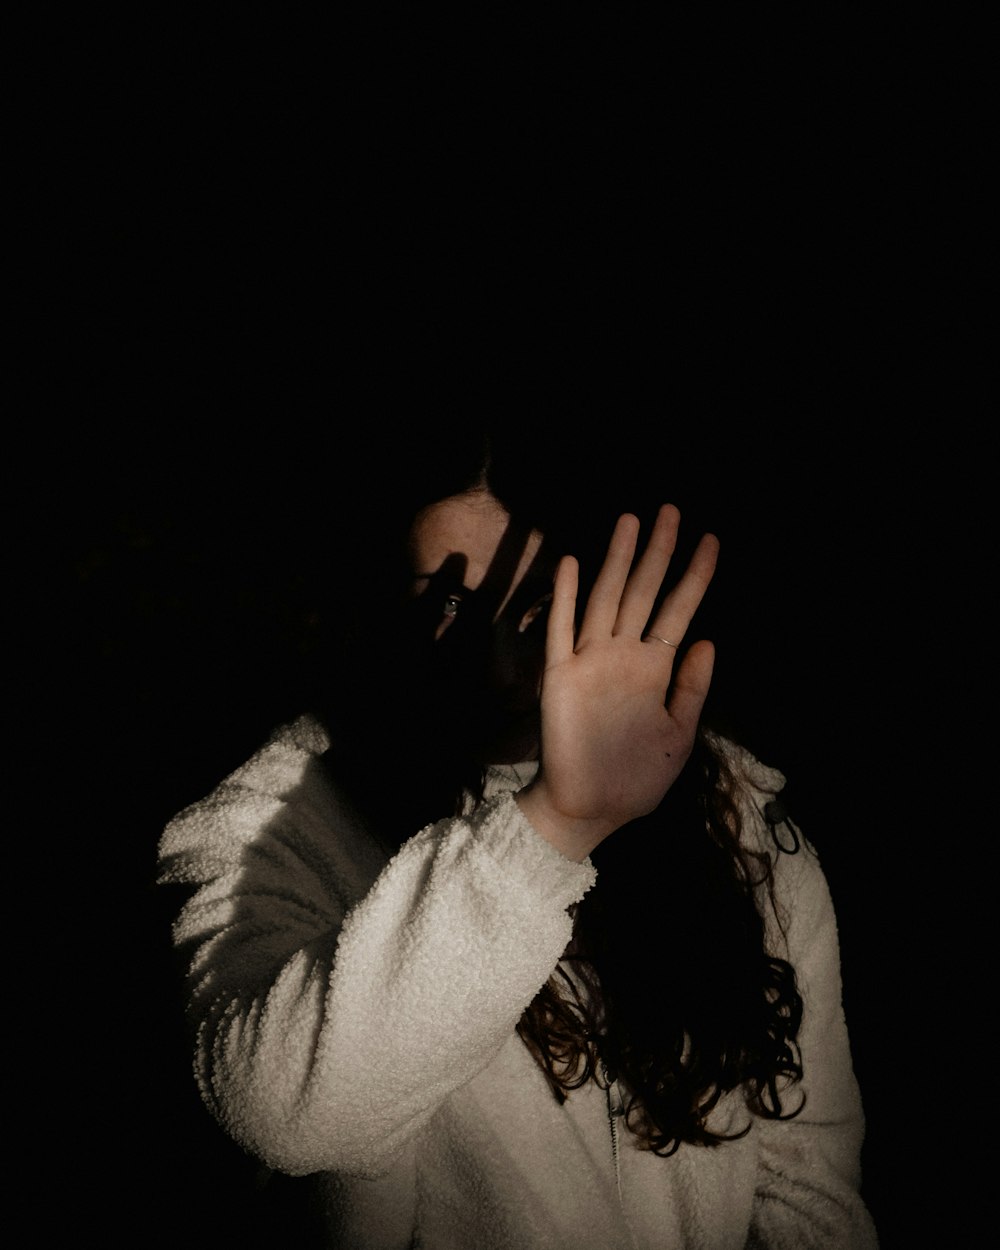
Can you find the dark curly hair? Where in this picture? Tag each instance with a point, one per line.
(675, 993)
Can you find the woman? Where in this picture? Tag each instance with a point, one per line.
(506, 948)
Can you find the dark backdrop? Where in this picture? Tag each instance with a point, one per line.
(271, 240)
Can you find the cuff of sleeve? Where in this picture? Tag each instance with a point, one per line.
(502, 828)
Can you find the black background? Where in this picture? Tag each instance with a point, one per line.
(268, 240)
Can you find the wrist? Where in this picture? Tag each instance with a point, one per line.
(573, 836)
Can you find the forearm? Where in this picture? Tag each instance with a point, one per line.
(334, 1057)
(803, 1199)
(808, 1189)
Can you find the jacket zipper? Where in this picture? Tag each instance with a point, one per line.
(616, 1109)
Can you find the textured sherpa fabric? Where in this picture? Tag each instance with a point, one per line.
(355, 1015)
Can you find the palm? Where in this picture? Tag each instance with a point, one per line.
(613, 742)
(606, 730)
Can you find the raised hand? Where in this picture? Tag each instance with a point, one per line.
(613, 742)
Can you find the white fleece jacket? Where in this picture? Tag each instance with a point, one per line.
(355, 1017)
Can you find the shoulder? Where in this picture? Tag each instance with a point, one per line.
(754, 787)
(285, 772)
(279, 763)
(745, 766)
(769, 828)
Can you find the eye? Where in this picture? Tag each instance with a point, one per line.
(451, 605)
(537, 609)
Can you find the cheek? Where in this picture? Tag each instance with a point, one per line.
(518, 659)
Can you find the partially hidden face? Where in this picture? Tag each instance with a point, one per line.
(485, 583)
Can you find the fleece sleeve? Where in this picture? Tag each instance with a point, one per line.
(338, 999)
(807, 1192)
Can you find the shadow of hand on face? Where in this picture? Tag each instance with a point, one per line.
(478, 666)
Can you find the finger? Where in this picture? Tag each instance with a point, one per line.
(562, 613)
(691, 684)
(646, 578)
(674, 617)
(605, 598)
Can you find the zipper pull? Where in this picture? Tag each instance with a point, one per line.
(616, 1104)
